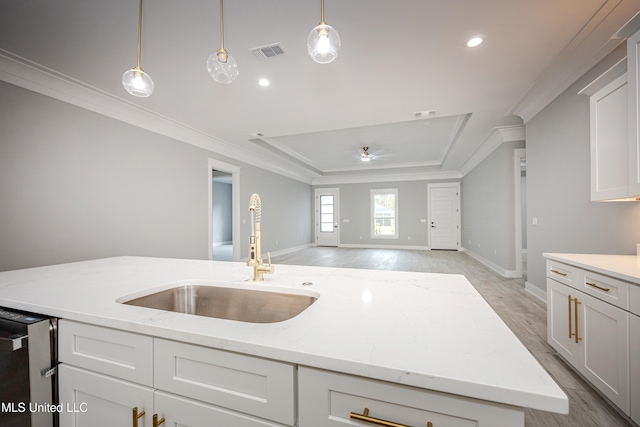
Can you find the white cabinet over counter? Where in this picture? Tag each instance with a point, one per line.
(614, 99)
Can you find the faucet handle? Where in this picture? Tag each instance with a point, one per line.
(267, 268)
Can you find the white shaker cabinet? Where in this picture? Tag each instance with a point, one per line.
(634, 364)
(633, 67)
(107, 374)
(608, 107)
(614, 99)
(594, 337)
(588, 325)
(90, 399)
(329, 399)
(634, 351)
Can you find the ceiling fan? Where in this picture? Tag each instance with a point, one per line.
(366, 156)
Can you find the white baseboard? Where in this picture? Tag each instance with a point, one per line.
(510, 274)
(228, 242)
(280, 252)
(535, 291)
(367, 246)
(289, 250)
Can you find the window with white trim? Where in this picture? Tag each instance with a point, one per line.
(384, 213)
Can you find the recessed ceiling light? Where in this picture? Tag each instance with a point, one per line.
(476, 41)
(264, 82)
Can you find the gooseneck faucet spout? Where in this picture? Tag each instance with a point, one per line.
(255, 256)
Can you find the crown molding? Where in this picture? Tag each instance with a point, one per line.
(376, 177)
(497, 137)
(591, 44)
(29, 75)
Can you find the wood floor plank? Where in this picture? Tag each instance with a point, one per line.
(522, 312)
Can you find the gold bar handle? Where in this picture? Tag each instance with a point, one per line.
(576, 314)
(570, 318)
(560, 273)
(157, 422)
(136, 416)
(377, 421)
(593, 285)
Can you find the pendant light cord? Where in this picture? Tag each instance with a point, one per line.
(139, 32)
(221, 27)
(322, 14)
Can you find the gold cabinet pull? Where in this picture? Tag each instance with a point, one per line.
(377, 421)
(593, 285)
(136, 416)
(575, 317)
(576, 302)
(157, 422)
(570, 318)
(560, 273)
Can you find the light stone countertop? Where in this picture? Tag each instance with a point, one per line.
(623, 267)
(432, 331)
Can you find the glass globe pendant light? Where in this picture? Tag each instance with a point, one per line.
(135, 80)
(221, 66)
(323, 43)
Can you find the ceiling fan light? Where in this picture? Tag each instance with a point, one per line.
(137, 83)
(365, 158)
(222, 67)
(323, 43)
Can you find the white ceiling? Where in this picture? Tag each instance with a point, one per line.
(398, 58)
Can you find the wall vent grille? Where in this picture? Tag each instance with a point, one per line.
(270, 51)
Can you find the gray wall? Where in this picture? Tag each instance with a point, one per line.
(355, 205)
(558, 189)
(75, 185)
(286, 209)
(488, 200)
(221, 212)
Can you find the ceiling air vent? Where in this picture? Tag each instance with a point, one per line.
(270, 51)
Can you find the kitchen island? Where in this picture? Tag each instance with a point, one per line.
(419, 332)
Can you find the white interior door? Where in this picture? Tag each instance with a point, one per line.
(327, 216)
(444, 215)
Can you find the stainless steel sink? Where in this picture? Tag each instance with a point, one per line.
(245, 305)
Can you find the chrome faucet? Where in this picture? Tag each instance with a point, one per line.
(255, 256)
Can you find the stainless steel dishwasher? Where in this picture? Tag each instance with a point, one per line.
(28, 365)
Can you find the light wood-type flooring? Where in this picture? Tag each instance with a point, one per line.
(525, 314)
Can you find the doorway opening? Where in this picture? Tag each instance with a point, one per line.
(520, 209)
(221, 216)
(224, 211)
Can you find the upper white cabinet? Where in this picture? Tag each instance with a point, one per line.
(615, 124)
(609, 152)
(608, 107)
(633, 59)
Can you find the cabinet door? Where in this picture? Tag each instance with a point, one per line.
(178, 411)
(331, 399)
(260, 387)
(561, 320)
(604, 333)
(634, 364)
(89, 399)
(633, 72)
(609, 141)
